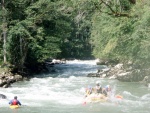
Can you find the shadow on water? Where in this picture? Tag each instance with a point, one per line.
(67, 70)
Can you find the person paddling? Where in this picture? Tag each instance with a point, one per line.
(88, 91)
(15, 101)
(107, 90)
(98, 88)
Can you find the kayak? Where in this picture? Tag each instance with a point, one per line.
(14, 106)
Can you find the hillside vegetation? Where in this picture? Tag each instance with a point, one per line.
(35, 30)
(123, 38)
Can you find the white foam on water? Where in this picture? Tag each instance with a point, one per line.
(91, 62)
(128, 94)
(68, 90)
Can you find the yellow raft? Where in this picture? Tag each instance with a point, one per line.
(100, 98)
(14, 106)
(96, 98)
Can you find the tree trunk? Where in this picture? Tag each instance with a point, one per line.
(4, 29)
(4, 46)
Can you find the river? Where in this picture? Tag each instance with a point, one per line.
(63, 92)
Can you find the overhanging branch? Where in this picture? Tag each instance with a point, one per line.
(112, 11)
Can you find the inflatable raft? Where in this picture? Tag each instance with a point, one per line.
(100, 98)
(96, 98)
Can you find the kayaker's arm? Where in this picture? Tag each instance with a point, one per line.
(10, 102)
(19, 103)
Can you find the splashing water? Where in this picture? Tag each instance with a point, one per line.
(63, 92)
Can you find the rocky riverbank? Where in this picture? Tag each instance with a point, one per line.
(11, 75)
(7, 78)
(124, 74)
(120, 72)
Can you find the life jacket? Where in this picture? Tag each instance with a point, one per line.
(98, 89)
(108, 89)
(14, 102)
(88, 91)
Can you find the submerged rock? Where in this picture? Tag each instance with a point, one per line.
(2, 96)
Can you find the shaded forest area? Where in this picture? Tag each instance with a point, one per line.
(32, 31)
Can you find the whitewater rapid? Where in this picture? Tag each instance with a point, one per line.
(63, 92)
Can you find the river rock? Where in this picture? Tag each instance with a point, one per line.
(125, 77)
(146, 81)
(1, 81)
(18, 77)
(6, 79)
(113, 77)
(2, 96)
(6, 85)
(93, 75)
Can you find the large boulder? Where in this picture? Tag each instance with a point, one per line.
(146, 81)
(134, 75)
(6, 79)
(18, 77)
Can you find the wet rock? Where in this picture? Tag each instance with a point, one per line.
(18, 77)
(125, 77)
(6, 85)
(119, 66)
(2, 96)
(1, 81)
(113, 77)
(93, 75)
(6, 79)
(58, 61)
(119, 72)
(146, 81)
(105, 70)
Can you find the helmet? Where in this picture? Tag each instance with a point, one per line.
(97, 82)
(15, 97)
(89, 87)
(108, 86)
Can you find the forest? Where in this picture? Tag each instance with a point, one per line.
(31, 31)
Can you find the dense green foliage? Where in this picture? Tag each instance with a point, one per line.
(41, 29)
(123, 38)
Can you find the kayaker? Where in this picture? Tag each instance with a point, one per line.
(15, 101)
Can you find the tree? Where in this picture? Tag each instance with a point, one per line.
(123, 38)
(4, 29)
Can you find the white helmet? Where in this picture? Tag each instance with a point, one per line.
(97, 82)
(108, 86)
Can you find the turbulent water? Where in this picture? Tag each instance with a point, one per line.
(63, 92)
